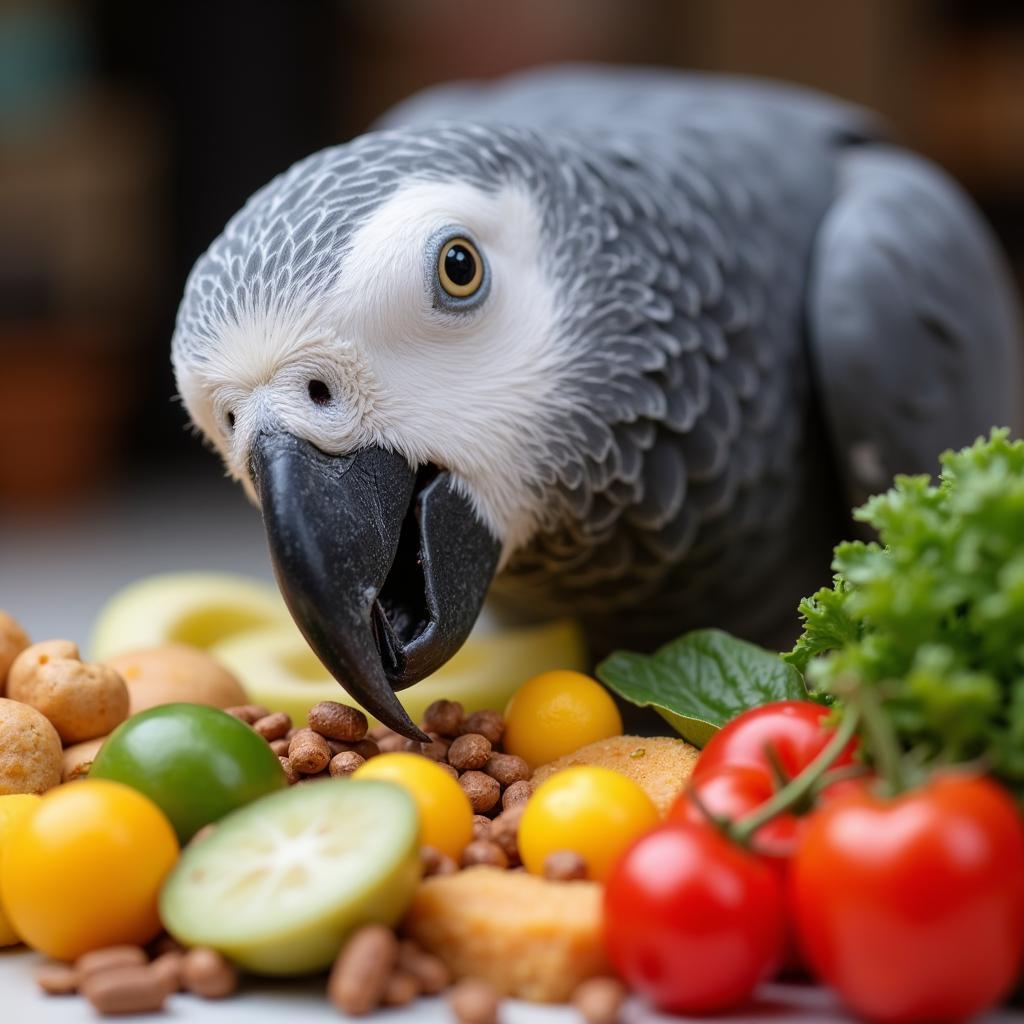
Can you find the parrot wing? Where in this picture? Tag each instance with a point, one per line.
(914, 331)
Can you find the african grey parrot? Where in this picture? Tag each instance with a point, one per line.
(625, 342)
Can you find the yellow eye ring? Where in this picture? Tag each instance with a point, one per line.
(460, 268)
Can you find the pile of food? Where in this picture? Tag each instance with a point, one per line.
(164, 829)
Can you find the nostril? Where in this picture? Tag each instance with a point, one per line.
(231, 420)
(319, 392)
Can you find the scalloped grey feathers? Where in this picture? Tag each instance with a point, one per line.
(742, 265)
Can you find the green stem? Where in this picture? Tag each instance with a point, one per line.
(800, 786)
(884, 748)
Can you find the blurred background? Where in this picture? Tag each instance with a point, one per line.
(130, 132)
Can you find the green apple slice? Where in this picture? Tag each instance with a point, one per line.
(278, 669)
(195, 608)
(280, 884)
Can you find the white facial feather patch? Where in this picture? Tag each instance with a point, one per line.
(472, 391)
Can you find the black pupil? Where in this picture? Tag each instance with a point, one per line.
(459, 265)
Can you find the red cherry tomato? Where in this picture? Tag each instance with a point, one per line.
(913, 908)
(693, 921)
(793, 729)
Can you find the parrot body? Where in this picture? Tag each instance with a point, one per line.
(707, 315)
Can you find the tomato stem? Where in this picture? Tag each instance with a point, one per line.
(881, 740)
(800, 786)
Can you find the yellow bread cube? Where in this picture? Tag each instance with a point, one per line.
(528, 937)
(660, 765)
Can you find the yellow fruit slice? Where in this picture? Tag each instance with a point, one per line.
(12, 808)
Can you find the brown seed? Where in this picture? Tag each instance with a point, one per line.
(344, 764)
(168, 966)
(318, 777)
(337, 721)
(108, 958)
(290, 773)
(57, 979)
(280, 747)
(482, 851)
(565, 866)
(362, 969)
(248, 713)
(364, 748)
(487, 723)
(508, 769)
(273, 726)
(517, 793)
(505, 831)
(429, 970)
(205, 973)
(165, 944)
(481, 826)
(448, 769)
(444, 717)
(434, 862)
(401, 989)
(308, 752)
(483, 791)
(290, 733)
(469, 752)
(379, 732)
(473, 1001)
(137, 989)
(436, 749)
(391, 744)
(599, 1000)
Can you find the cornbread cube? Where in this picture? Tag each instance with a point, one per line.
(528, 937)
(660, 765)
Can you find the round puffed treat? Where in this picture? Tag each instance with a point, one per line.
(30, 753)
(13, 640)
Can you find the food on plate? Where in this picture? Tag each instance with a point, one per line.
(594, 812)
(175, 673)
(196, 763)
(82, 701)
(556, 713)
(279, 885)
(12, 808)
(83, 869)
(692, 921)
(13, 640)
(660, 765)
(912, 908)
(30, 751)
(445, 813)
(528, 937)
(77, 759)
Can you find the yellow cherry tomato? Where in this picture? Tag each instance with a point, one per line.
(446, 816)
(556, 713)
(592, 811)
(12, 808)
(84, 869)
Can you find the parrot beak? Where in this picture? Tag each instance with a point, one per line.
(383, 569)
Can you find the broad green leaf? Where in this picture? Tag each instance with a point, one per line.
(702, 680)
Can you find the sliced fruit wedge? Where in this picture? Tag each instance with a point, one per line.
(279, 885)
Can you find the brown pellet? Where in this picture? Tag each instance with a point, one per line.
(565, 866)
(505, 831)
(434, 862)
(517, 793)
(165, 944)
(344, 764)
(508, 769)
(364, 748)
(448, 769)
(391, 744)
(206, 973)
(362, 969)
(248, 713)
(308, 752)
(436, 749)
(273, 726)
(483, 791)
(473, 1001)
(137, 989)
(168, 966)
(599, 1000)
(482, 851)
(57, 979)
(469, 752)
(337, 721)
(280, 747)
(444, 717)
(430, 971)
(290, 773)
(401, 989)
(487, 723)
(107, 958)
(481, 826)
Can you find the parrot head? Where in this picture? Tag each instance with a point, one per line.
(377, 347)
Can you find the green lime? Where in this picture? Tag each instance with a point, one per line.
(195, 763)
(279, 885)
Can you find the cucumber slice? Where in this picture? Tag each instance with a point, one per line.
(279, 885)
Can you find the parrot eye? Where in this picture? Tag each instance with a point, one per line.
(460, 268)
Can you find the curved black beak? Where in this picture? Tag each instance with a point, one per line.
(383, 569)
